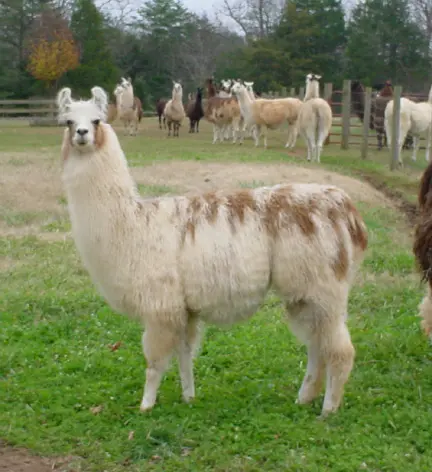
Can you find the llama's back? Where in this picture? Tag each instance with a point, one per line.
(295, 237)
(274, 112)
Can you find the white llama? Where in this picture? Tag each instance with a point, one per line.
(415, 118)
(129, 108)
(315, 118)
(174, 262)
(263, 114)
(174, 111)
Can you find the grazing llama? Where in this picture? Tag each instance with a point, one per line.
(175, 262)
(129, 107)
(263, 114)
(174, 111)
(160, 107)
(415, 118)
(422, 247)
(222, 113)
(315, 118)
(195, 112)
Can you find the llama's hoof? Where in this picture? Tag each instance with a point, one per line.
(146, 405)
(188, 398)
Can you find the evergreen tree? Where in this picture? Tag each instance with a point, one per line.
(313, 33)
(385, 43)
(96, 62)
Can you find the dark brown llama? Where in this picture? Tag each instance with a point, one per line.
(160, 107)
(378, 106)
(422, 247)
(194, 111)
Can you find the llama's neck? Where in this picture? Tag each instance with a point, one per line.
(312, 90)
(177, 97)
(126, 99)
(245, 103)
(99, 180)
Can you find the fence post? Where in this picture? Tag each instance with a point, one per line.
(292, 92)
(284, 92)
(346, 114)
(328, 92)
(301, 93)
(395, 148)
(366, 122)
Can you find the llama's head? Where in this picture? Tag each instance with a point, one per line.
(249, 86)
(199, 92)
(226, 85)
(83, 117)
(238, 88)
(177, 90)
(312, 78)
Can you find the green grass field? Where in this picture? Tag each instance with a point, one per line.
(64, 392)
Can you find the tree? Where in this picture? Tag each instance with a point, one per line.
(257, 19)
(52, 49)
(313, 33)
(96, 62)
(378, 48)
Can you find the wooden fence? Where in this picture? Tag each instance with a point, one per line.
(347, 129)
(37, 110)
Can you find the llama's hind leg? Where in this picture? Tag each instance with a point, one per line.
(187, 348)
(159, 344)
(329, 344)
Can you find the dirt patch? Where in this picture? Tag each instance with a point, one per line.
(20, 460)
(194, 177)
(34, 186)
(410, 210)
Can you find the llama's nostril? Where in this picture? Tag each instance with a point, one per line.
(82, 131)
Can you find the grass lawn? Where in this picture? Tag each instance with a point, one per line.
(66, 392)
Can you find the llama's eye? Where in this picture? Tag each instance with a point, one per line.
(69, 122)
(96, 122)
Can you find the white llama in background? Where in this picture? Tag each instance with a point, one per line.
(174, 262)
(174, 111)
(315, 118)
(129, 107)
(416, 119)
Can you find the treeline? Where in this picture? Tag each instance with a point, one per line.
(45, 44)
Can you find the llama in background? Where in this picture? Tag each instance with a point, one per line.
(263, 114)
(174, 111)
(315, 118)
(129, 107)
(160, 107)
(415, 118)
(195, 111)
(173, 263)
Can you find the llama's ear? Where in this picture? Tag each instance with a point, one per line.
(64, 100)
(100, 99)
(318, 77)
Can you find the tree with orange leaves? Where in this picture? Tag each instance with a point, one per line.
(52, 49)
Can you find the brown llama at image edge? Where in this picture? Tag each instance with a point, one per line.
(422, 247)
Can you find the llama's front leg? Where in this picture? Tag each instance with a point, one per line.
(416, 144)
(256, 133)
(158, 344)
(214, 134)
(314, 377)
